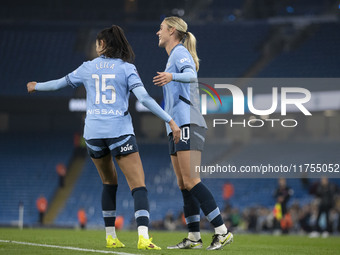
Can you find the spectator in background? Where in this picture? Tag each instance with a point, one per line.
(286, 222)
(251, 218)
(119, 222)
(42, 207)
(282, 196)
(82, 219)
(337, 210)
(325, 192)
(169, 222)
(305, 215)
(61, 171)
(228, 191)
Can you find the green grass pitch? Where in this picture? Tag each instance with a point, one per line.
(95, 239)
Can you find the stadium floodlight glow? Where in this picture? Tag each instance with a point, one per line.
(77, 105)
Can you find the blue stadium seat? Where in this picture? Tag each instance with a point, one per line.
(37, 53)
(317, 57)
(165, 196)
(28, 170)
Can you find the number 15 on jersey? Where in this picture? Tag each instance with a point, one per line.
(104, 87)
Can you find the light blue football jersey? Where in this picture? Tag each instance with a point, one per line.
(108, 83)
(181, 100)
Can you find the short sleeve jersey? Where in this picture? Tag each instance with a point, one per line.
(108, 83)
(181, 100)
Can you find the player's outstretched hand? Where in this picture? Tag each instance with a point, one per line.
(176, 131)
(162, 78)
(31, 86)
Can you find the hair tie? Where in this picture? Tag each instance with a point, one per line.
(185, 36)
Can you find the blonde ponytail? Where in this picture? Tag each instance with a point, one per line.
(188, 39)
(190, 44)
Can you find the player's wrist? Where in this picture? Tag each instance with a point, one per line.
(171, 122)
(37, 86)
(173, 76)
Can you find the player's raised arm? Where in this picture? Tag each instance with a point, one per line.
(46, 86)
(143, 97)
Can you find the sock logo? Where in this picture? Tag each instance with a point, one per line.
(127, 147)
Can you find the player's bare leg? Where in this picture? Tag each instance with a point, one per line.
(131, 166)
(108, 174)
(106, 169)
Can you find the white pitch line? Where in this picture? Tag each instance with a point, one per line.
(67, 247)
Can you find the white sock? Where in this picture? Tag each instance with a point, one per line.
(111, 231)
(221, 230)
(143, 230)
(194, 236)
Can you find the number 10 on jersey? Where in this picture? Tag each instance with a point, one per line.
(104, 87)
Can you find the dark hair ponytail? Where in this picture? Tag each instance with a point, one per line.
(116, 44)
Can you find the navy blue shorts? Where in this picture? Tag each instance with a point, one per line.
(192, 138)
(123, 145)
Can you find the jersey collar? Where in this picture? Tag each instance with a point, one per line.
(175, 48)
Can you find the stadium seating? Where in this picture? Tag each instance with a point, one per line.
(238, 46)
(165, 196)
(234, 47)
(23, 170)
(302, 7)
(27, 57)
(27, 163)
(318, 56)
(38, 53)
(276, 153)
